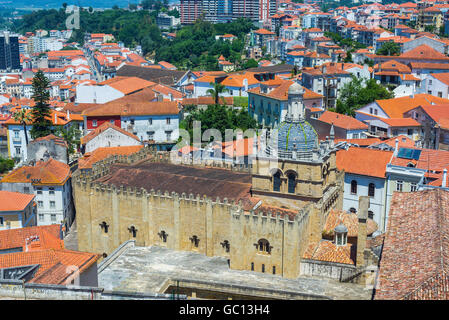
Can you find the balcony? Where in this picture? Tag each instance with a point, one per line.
(17, 140)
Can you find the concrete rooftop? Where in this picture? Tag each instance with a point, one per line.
(146, 269)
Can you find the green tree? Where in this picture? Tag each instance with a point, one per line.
(356, 94)
(216, 91)
(23, 117)
(250, 63)
(6, 164)
(40, 113)
(71, 135)
(389, 49)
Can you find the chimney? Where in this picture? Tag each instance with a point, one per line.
(396, 147)
(443, 184)
(361, 235)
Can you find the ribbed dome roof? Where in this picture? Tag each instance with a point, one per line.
(296, 136)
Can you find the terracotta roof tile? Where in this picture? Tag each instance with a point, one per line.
(342, 121)
(416, 248)
(14, 201)
(364, 161)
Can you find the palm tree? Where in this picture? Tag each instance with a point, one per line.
(22, 116)
(215, 92)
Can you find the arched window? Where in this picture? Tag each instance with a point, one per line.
(264, 246)
(371, 189)
(353, 210)
(291, 183)
(354, 187)
(277, 181)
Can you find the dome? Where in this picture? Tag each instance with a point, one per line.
(295, 88)
(296, 136)
(341, 228)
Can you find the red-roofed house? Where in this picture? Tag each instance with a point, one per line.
(17, 210)
(345, 127)
(37, 255)
(108, 135)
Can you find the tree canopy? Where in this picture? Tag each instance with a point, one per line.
(389, 48)
(356, 94)
(40, 113)
(219, 117)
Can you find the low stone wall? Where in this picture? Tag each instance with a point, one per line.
(33, 291)
(218, 290)
(326, 269)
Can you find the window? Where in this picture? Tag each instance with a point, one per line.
(133, 230)
(291, 183)
(371, 110)
(413, 187)
(399, 186)
(26, 189)
(395, 132)
(410, 132)
(52, 204)
(41, 217)
(94, 123)
(440, 94)
(264, 246)
(370, 214)
(163, 235)
(274, 269)
(168, 120)
(195, 241)
(353, 210)
(353, 187)
(53, 217)
(150, 135)
(430, 82)
(17, 150)
(1, 221)
(51, 191)
(263, 268)
(252, 266)
(168, 135)
(132, 122)
(375, 111)
(40, 204)
(150, 121)
(277, 181)
(371, 189)
(225, 244)
(104, 226)
(355, 136)
(16, 133)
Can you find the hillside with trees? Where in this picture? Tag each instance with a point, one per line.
(194, 47)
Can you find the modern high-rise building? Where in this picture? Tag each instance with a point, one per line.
(220, 11)
(9, 52)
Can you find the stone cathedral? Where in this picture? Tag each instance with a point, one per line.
(260, 217)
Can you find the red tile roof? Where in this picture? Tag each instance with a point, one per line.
(414, 257)
(51, 172)
(104, 127)
(14, 201)
(342, 121)
(99, 154)
(363, 161)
